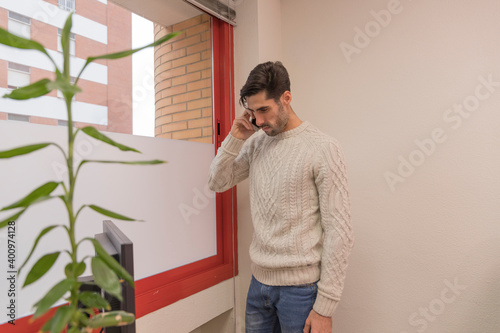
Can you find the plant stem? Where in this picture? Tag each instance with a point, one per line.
(69, 205)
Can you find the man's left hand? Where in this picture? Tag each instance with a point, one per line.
(316, 323)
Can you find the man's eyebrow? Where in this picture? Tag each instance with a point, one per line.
(259, 109)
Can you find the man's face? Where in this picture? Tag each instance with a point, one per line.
(269, 115)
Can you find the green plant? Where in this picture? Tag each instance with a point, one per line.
(106, 271)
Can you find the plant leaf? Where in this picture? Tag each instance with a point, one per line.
(83, 318)
(152, 162)
(23, 150)
(111, 262)
(65, 41)
(74, 329)
(42, 233)
(112, 214)
(91, 131)
(105, 278)
(12, 40)
(52, 296)
(46, 326)
(40, 194)
(64, 86)
(60, 319)
(33, 90)
(122, 54)
(113, 318)
(93, 300)
(11, 218)
(41, 267)
(80, 268)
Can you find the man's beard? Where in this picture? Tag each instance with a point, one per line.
(281, 122)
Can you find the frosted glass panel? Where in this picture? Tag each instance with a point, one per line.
(169, 87)
(173, 200)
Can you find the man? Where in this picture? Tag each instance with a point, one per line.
(299, 205)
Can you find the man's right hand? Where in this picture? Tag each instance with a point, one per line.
(242, 127)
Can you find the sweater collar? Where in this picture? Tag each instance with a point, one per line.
(292, 132)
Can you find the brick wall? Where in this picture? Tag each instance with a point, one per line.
(3, 73)
(44, 33)
(119, 90)
(183, 81)
(4, 18)
(91, 9)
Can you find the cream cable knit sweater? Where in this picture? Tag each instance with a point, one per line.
(299, 204)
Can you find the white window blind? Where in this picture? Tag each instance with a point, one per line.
(17, 76)
(19, 25)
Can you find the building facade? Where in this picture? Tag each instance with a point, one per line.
(99, 27)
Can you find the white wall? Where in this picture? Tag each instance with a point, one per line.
(438, 224)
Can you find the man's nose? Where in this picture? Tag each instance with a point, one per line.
(259, 120)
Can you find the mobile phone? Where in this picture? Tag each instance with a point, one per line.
(254, 123)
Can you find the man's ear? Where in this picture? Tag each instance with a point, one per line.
(286, 98)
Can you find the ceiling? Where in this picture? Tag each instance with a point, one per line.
(164, 12)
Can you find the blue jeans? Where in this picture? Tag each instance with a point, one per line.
(278, 309)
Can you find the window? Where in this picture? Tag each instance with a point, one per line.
(194, 102)
(162, 289)
(18, 117)
(19, 25)
(68, 5)
(18, 76)
(72, 43)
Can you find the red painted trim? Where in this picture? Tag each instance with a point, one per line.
(28, 325)
(163, 289)
(160, 290)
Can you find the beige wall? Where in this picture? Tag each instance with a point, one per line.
(427, 240)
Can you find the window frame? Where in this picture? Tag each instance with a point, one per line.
(63, 4)
(208, 272)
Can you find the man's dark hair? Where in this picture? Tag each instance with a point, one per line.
(271, 77)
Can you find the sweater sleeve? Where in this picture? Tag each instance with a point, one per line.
(331, 183)
(230, 165)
